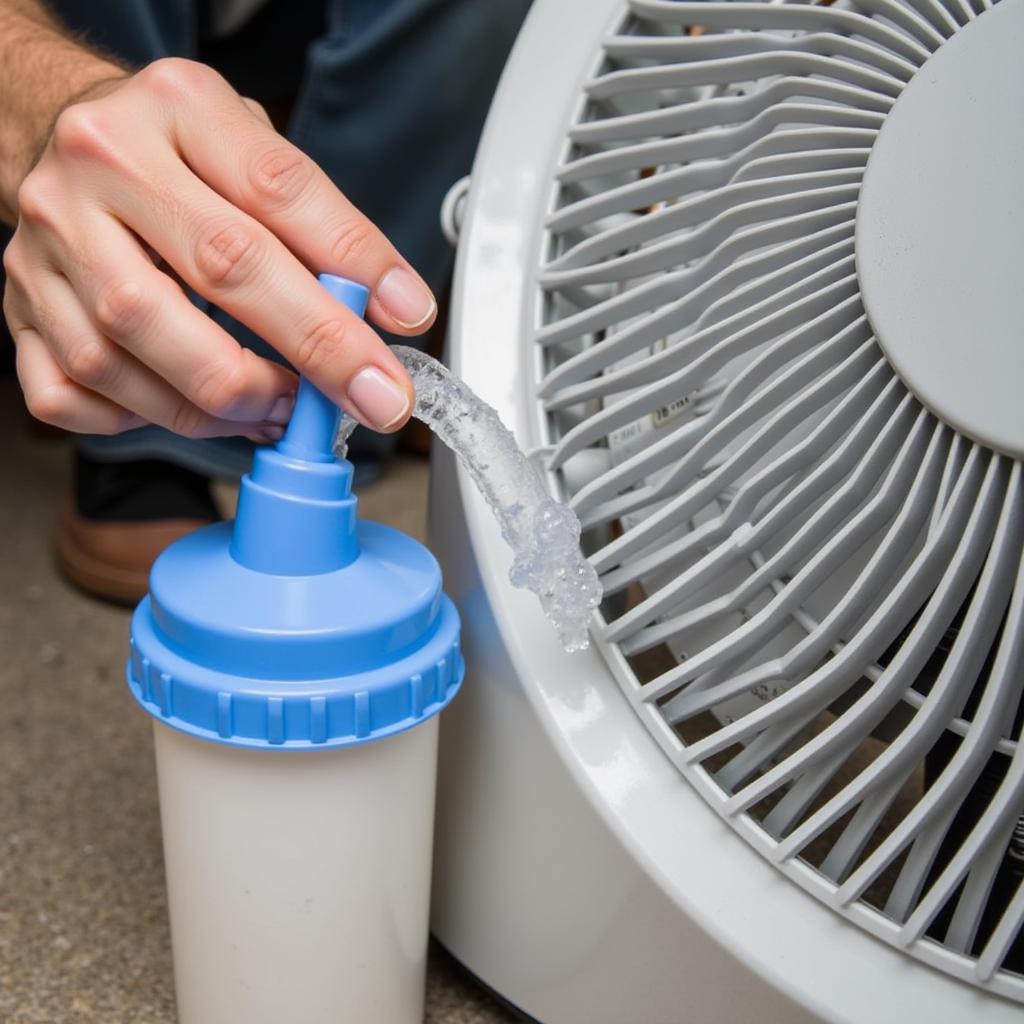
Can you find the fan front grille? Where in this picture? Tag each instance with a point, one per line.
(814, 587)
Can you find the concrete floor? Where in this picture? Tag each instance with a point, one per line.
(83, 918)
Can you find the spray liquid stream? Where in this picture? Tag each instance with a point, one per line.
(543, 534)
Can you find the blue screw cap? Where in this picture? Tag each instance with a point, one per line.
(298, 625)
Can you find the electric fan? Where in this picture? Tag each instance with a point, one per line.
(746, 279)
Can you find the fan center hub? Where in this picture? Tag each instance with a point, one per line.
(940, 231)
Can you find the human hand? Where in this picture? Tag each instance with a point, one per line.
(169, 173)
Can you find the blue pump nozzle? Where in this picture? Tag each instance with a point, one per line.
(296, 513)
(297, 626)
(314, 423)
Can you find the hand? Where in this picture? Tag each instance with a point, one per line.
(169, 173)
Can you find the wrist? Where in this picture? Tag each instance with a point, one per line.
(46, 73)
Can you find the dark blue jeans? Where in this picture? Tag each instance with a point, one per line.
(390, 98)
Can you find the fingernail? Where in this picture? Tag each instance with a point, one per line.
(406, 298)
(378, 399)
(281, 410)
(272, 432)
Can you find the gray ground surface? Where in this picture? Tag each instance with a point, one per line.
(83, 919)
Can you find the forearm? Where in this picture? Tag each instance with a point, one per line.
(42, 69)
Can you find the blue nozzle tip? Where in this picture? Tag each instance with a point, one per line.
(351, 293)
(314, 422)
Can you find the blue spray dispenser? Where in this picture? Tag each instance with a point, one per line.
(294, 662)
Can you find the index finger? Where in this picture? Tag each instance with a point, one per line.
(282, 188)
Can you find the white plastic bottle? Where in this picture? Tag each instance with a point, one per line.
(294, 662)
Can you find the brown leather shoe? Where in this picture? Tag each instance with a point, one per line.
(110, 559)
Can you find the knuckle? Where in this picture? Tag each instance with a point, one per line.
(120, 306)
(10, 260)
(220, 389)
(90, 362)
(34, 199)
(321, 345)
(257, 108)
(226, 256)
(175, 78)
(82, 131)
(280, 175)
(50, 403)
(187, 420)
(351, 241)
(13, 261)
(43, 220)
